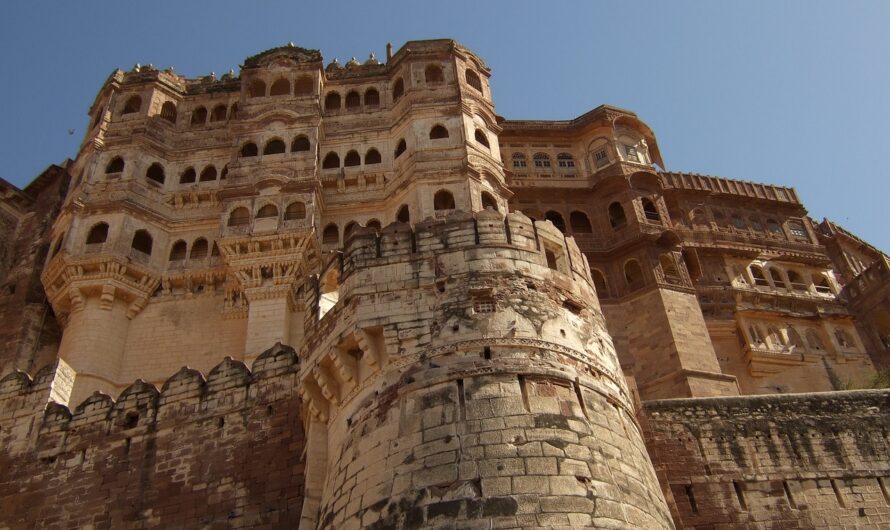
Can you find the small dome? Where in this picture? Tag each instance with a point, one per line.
(352, 62)
(372, 59)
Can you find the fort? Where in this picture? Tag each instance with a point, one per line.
(353, 296)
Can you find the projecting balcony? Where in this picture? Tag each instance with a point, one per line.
(755, 241)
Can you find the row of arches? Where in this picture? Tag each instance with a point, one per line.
(353, 100)
(775, 277)
(789, 338)
(220, 113)
(169, 112)
(241, 215)
(352, 159)
(699, 219)
(142, 239)
(579, 222)
(180, 250)
(277, 146)
(633, 275)
(156, 172)
(542, 161)
(302, 86)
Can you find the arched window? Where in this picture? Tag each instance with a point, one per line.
(332, 101)
(519, 161)
(374, 224)
(350, 228)
(168, 111)
(199, 249)
(633, 274)
(372, 157)
(438, 132)
(156, 173)
(233, 111)
(218, 113)
(755, 335)
(178, 251)
(257, 88)
(331, 161)
(557, 220)
(813, 340)
(650, 211)
(400, 148)
(249, 149)
(224, 173)
(115, 166)
(275, 146)
(773, 227)
(98, 234)
(280, 87)
(542, 160)
(755, 224)
(300, 143)
(580, 223)
(353, 100)
(199, 116)
(669, 269)
(142, 241)
(304, 86)
(774, 338)
(398, 90)
(208, 174)
(794, 338)
(134, 104)
(268, 211)
(214, 251)
(443, 200)
(699, 220)
(720, 219)
(295, 210)
(757, 275)
(796, 281)
(599, 282)
(777, 279)
(738, 222)
(372, 98)
(565, 161)
(433, 74)
(473, 80)
(352, 159)
(616, 215)
(404, 215)
(488, 201)
(239, 217)
(822, 286)
(482, 138)
(331, 235)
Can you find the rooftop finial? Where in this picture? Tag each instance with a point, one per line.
(388, 51)
(372, 59)
(290, 44)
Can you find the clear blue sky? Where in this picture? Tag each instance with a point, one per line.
(795, 93)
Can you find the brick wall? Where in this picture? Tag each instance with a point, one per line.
(779, 461)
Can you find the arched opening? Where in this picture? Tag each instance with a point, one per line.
(372, 157)
(489, 202)
(599, 282)
(473, 80)
(794, 338)
(565, 161)
(332, 101)
(580, 223)
(550, 256)
(796, 281)
(353, 100)
(557, 220)
(433, 74)
(331, 235)
(720, 219)
(374, 224)
(669, 269)
(295, 210)
(443, 200)
(214, 252)
(249, 149)
(115, 166)
(372, 98)
(257, 88)
(776, 277)
(199, 116)
(188, 176)
(482, 138)
(438, 132)
(773, 227)
(813, 340)
(699, 220)
(738, 222)
(775, 339)
(239, 217)
(398, 90)
(519, 161)
(352, 159)
(142, 241)
(233, 111)
(268, 211)
(156, 173)
(134, 104)
(280, 87)
(650, 211)
(755, 335)
(218, 113)
(178, 251)
(633, 274)
(329, 290)
(822, 286)
(617, 218)
(199, 249)
(542, 160)
(349, 230)
(224, 173)
(304, 86)
(758, 276)
(400, 148)
(98, 234)
(404, 215)
(300, 143)
(168, 111)
(755, 224)
(331, 161)
(208, 174)
(275, 146)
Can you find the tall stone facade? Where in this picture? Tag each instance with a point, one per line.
(413, 313)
